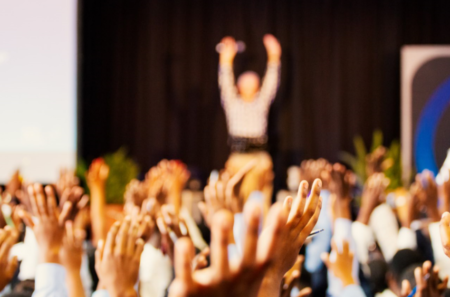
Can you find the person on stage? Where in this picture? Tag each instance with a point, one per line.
(246, 106)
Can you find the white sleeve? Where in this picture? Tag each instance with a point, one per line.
(50, 281)
(406, 239)
(352, 291)
(440, 258)
(385, 228)
(342, 231)
(270, 83)
(227, 86)
(100, 293)
(364, 240)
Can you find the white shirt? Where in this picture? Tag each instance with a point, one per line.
(248, 119)
(383, 229)
(440, 258)
(155, 272)
(50, 281)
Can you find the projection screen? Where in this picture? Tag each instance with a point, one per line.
(38, 58)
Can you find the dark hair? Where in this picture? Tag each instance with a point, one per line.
(378, 269)
(402, 260)
(408, 274)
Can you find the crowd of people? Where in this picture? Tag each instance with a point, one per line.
(57, 241)
(336, 234)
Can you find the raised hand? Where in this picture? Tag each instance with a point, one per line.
(117, 259)
(14, 184)
(375, 161)
(171, 228)
(303, 215)
(229, 50)
(135, 194)
(70, 255)
(444, 228)
(97, 174)
(67, 180)
(221, 278)
(200, 261)
(273, 48)
(49, 226)
(342, 266)
(341, 181)
(291, 277)
(77, 199)
(96, 178)
(410, 211)
(224, 193)
(446, 195)
(72, 248)
(427, 282)
(373, 195)
(428, 194)
(8, 237)
(176, 178)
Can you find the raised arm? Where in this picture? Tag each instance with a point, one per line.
(272, 78)
(226, 76)
(96, 178)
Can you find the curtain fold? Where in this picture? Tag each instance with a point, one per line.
(148, 74)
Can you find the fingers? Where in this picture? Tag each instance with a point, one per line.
(420, 281)
(51, 202)
(26, 218)
(65, 213)
(3, 242)
(220, 232)
(41, 200)
(345, 247)
(287, 204)
(83, 202)
(69, 232)
(203, 210)
(146, 228)
(132, 237)
(326, 260)
(406, 288)
(444, 229)
(99, 254)
(110, 239)
(304, 233)
(122, 237)
(299, 203)
(276, 222)
(252, 214)
(184, 254)
(33, 202)
(305, 292)
(313, 207)
(12, 267)
(200, 260)
(138, 249)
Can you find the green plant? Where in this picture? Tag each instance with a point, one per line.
(394, 171)
(122, 169)
(391, 164)
(80, 172)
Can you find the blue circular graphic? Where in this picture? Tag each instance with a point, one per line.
(427, 127)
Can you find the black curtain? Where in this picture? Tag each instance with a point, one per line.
(148, 74)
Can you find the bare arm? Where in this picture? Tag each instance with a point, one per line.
(70, 255)
(96, 178)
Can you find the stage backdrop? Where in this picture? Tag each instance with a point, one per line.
(425, 112)
(149, 74)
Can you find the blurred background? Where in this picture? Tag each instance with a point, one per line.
(147, 75)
